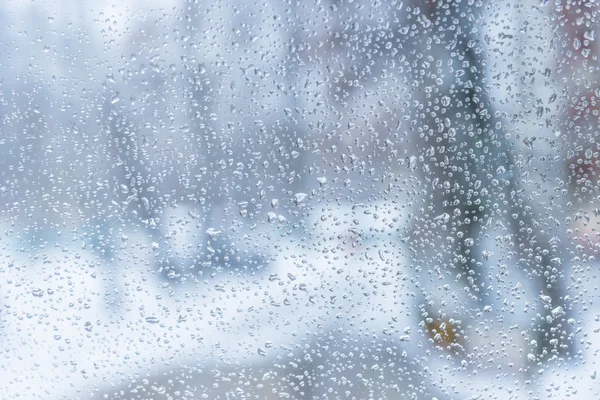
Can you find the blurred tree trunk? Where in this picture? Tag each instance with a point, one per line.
(470, 173)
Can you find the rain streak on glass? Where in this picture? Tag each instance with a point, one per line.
(322, 199)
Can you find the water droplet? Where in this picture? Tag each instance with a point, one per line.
(213, 233)
(299, 198)
(557, 312)
(152, 320)
(445, 217)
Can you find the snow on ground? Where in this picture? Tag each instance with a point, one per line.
(72, 322)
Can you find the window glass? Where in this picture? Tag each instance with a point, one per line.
(324, 199)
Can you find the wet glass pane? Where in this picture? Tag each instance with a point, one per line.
(323, 199)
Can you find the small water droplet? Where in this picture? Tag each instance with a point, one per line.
(299, 198)
(152, 320)
(213, 233)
